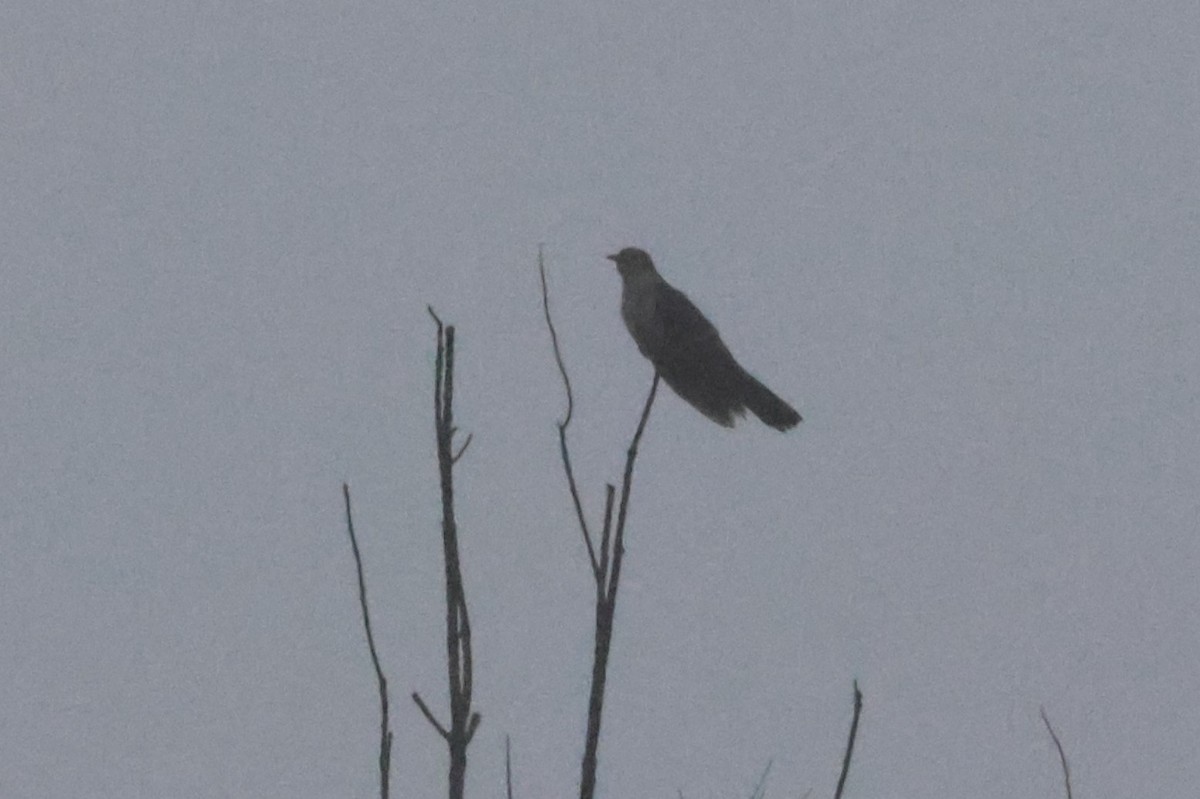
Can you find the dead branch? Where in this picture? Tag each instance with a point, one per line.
(566, 420)
(606, 567)
(385, 730)
(459, 659)
(858, 697)
(1062, 757)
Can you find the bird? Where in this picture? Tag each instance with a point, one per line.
(687, 351)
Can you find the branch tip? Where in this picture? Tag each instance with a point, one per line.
(416, 697)
(1062, 757)
(463, 448)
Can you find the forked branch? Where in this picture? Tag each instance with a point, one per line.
(459, 660)
(606, 566)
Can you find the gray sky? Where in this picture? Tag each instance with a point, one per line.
(962, 241)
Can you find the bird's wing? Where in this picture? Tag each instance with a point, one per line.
(685, 331)
(694, 361)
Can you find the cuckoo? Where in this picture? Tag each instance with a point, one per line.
(688, 352)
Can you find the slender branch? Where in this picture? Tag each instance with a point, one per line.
(566, 420)
(439, 365)
(1062, 757)
(508, 768)
(607, 582)
(385, 732)
(606, 568)
(760, 790)
(562, 367)
(626, 485)
(437, 725)
(463, 448)
(459, 659)
(858, 697)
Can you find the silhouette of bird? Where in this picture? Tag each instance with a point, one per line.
(688, 352)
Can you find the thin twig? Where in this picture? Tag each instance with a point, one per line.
(562, 368)
(1062, 757)
(437, 725)
(760, 789)
(626, 486)
(385, 732)
(566, 420)
(858, 697)
(508, 767)
(463, 448)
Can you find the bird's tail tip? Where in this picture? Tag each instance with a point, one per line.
(769, 408)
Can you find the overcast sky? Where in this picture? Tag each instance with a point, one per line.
(960, 238)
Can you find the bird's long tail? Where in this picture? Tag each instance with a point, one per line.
(766, 405)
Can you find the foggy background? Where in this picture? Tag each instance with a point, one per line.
(961, 240)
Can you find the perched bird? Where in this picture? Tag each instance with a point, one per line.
(687, 351)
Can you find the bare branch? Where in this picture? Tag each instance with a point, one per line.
(416, 697)
(508, 768)
(463, 448)
(605, 537)
(626, 485)
(858, 697)
(562, 426)
(562, 367)
(385, 732)
(760, 790)
(438, 369)
(1062, 757)
(459, 661)
(606, 604)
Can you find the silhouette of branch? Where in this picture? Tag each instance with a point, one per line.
(1062, 757)
(459, 659)
(606, 566)
(608, 580)
(566, 420)
(626, 486)
(858, 697)
(437, 725)
(760, 789)
(385, 730)
(508, 792)
(463, 448)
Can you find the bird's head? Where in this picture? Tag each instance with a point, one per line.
(632, 262)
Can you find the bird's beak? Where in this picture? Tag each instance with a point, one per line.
(612, 258)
